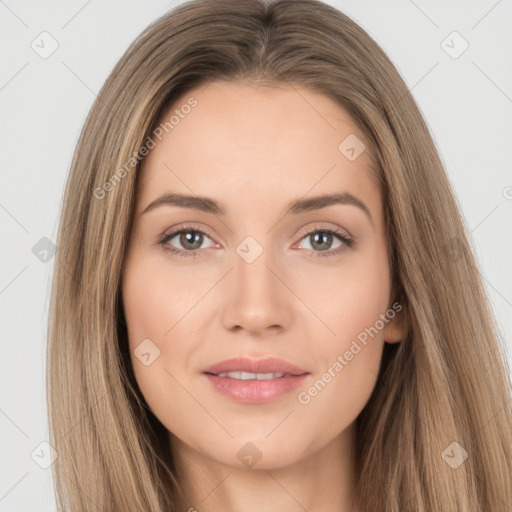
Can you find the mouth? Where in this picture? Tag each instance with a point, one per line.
(255, 381)
(241, 375)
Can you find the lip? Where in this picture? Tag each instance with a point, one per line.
(267, 365)
(255, 391)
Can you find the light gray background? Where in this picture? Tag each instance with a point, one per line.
(467, 102)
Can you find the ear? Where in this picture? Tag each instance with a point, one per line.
(394, 330)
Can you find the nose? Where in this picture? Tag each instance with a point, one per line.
(256, 297)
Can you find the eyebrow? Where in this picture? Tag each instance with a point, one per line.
(209, 205)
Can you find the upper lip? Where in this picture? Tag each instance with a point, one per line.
(268, 365)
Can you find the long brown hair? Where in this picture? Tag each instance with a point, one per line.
(443, 389)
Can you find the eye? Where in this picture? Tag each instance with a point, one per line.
(321, 238)
(190, 238)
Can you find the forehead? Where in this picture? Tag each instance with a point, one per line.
(240, 143)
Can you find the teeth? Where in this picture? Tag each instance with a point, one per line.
(251, 376)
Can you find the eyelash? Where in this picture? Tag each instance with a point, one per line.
(347, 242)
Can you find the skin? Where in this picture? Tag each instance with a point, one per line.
(290, 303)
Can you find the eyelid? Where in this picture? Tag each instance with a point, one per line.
(173, 230)
(326, 227)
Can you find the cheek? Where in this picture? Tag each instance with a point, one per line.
(143, 305)
(157, 298)
(351, 297)
(155, 305)
(353, 306)
(156, 302)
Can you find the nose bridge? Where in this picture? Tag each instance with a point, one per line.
(252, 267)
(255, 298)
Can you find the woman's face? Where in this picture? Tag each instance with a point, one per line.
(256, 277)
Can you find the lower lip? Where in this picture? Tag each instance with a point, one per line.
(255, 391)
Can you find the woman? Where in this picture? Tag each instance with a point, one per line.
(264, 294)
